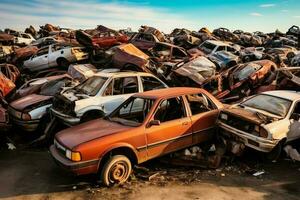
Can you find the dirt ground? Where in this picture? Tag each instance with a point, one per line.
(30, 173)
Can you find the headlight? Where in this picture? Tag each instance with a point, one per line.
(224, 116)
(26, 117)
(263, 133)
(74, 156)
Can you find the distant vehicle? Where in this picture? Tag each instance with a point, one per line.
(23, 38)
(45, 41)
(224, 59)
(146, 126)
(100, 95)
(265, 122)
(210, 47)
(53, 56)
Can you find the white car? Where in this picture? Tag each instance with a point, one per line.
(210, 47)
(100, 95)
(53, 56)
(23, 38)
(264, 122)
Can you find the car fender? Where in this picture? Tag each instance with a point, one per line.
(115, 146)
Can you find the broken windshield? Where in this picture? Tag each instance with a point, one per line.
(92, 85)
(271, 104)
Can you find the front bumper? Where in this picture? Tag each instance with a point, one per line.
(29, 126)
(66, 119)
(252, 141)
(78, 168)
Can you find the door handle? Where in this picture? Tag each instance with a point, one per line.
(185, 123)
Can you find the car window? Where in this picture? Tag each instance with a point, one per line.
(230, 49)
(170, 109)
(297, 109)
(199, 103)
(4, 71)
(274, 105)
(207, 47)
(109, 89)
(132, 112)
(221, 48)
(178, 53)
(151, 83)
(25, 36)
(42, 52)
(91, 86)
(125, 85)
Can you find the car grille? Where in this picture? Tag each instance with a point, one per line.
(63, 105)
(238, 123)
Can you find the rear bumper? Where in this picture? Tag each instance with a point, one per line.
(78, 168)
(257, 143)
(66, 119)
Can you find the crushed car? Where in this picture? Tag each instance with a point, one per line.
(54, 56)
(100, 95)
(264, 122)
(241, 80)
(29, 113)
(132, 133)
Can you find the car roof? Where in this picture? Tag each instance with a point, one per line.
(122, 74)
(217, 42)
(286, 94)
(169, 92)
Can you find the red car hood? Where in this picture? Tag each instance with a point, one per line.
(22, 103)
(85, 132)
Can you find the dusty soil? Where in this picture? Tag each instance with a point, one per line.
(30, 173)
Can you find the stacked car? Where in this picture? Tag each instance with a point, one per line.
(111, 99)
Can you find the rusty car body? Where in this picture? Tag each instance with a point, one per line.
(264, 122)
(132, 133)
(240, 81)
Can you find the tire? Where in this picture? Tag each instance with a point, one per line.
(275, 153)
(116, 170)
(63, 62)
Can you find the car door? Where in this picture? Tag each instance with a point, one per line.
(40, 60)
(117, 91)
(174, 131)
(203, 116)
(294, 124)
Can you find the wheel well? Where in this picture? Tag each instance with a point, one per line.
(61, 59)
(125, 151)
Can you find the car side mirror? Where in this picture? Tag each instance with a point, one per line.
(154, 123)
(295, 116)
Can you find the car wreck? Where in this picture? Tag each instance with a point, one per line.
(265, 122)
(30, 112)
(100, 95)
(241, 80)
(131, 134)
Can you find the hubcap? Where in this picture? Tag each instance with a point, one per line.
(118, 172)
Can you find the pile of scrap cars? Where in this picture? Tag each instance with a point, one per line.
(106, 100)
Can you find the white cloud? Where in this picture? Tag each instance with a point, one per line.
(297, 16)
(255, 14)
(267, 5)
(88, 14)
(284, 10)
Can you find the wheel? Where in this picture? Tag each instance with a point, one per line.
(275, 153)
(63, 62)
(116, 170)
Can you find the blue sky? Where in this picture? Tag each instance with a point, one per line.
(251, 15)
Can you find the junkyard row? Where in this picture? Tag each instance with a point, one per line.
(106, 100)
